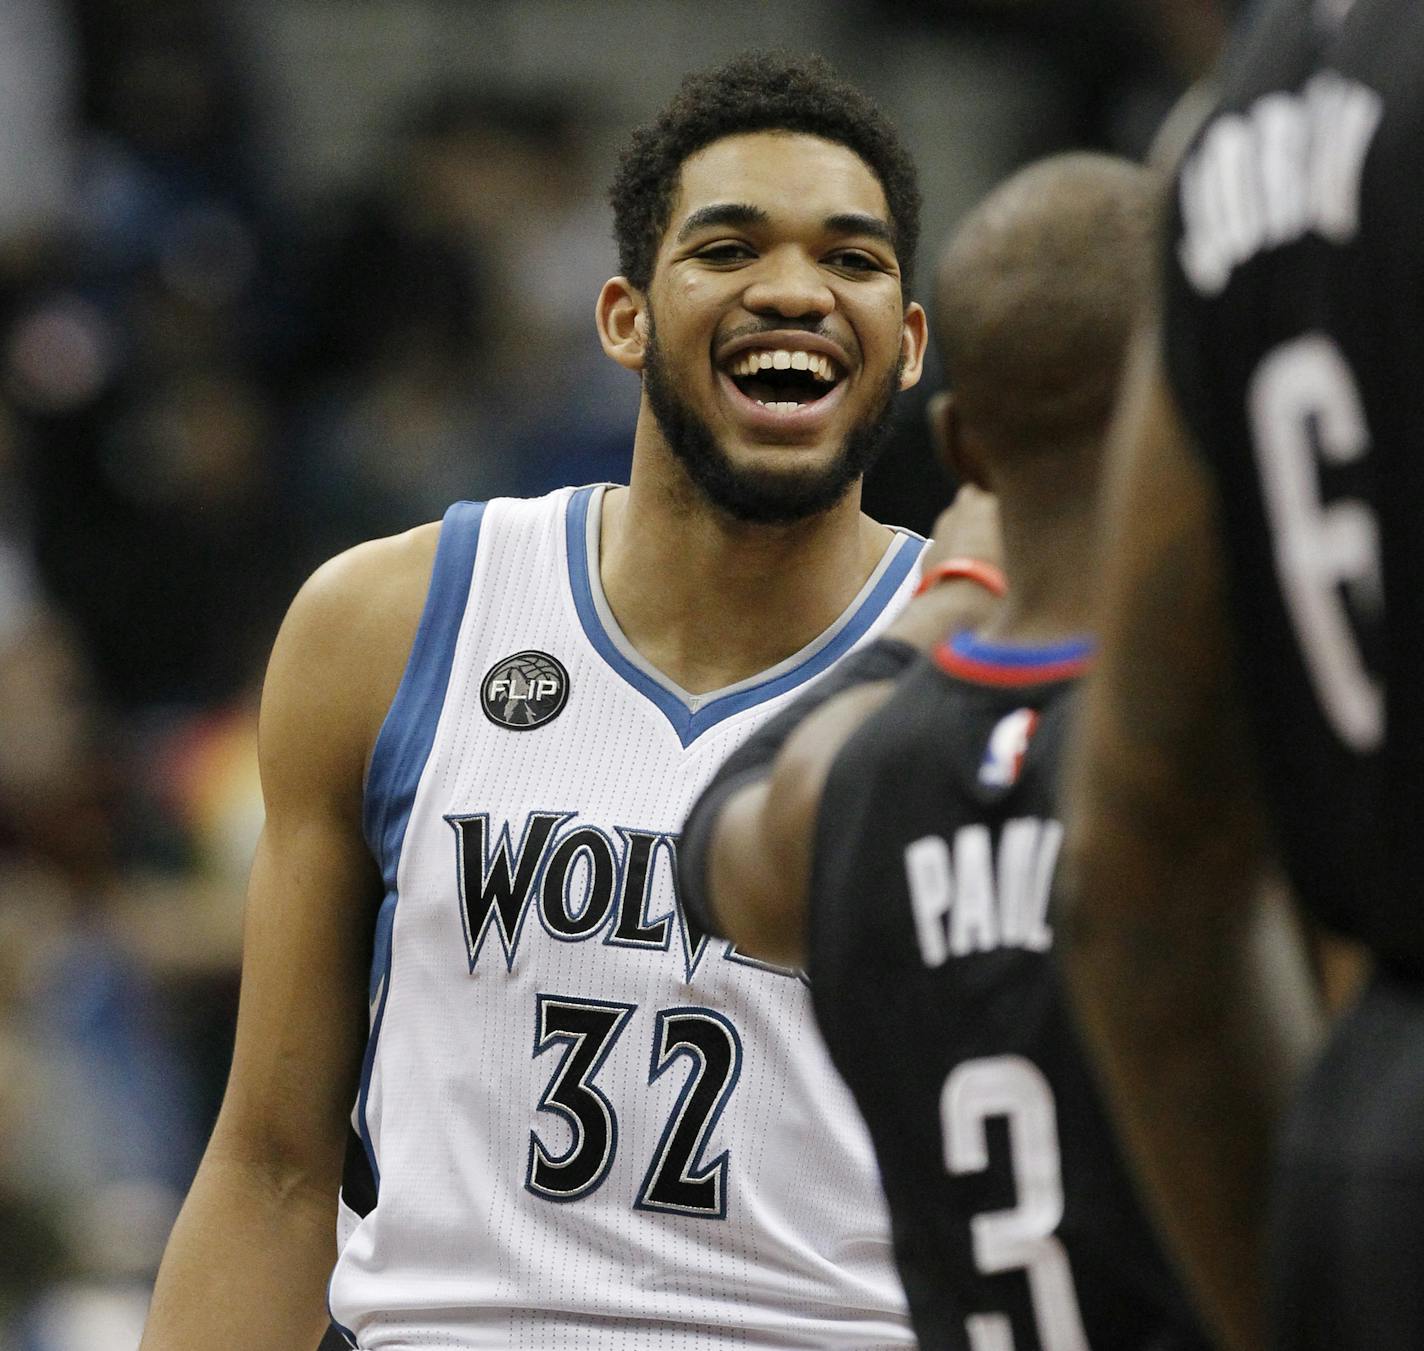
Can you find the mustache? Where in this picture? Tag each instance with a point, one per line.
(813, 327)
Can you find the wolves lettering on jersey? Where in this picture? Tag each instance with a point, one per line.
(584, 885)
(962, 903)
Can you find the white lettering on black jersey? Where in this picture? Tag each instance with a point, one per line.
(1288, 165)
(963, 903)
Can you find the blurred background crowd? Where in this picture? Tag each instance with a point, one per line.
(277, 276)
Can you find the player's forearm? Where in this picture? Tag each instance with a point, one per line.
(730, 878)
(759, 862)
(757, 902)
(247, 1263)
(1201, 1031)
(1198, 1041)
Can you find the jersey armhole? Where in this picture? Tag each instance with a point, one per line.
(408, 732)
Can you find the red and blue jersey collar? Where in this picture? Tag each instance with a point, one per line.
(1014, 664)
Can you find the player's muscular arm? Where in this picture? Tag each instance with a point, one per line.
(249, 1257)
(759, 860)
(1200, 1027)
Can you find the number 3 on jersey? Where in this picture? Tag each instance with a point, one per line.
(678, 1180)
(1023, 1238)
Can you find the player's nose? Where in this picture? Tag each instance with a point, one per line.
(789, 284)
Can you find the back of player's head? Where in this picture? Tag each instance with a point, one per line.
(757, 91)
(1037, 294)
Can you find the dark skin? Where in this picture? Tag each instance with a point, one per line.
(1201, 1028)
(760, 854)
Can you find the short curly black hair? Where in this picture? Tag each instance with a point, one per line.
(757, 91)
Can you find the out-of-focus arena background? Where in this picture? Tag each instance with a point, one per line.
(276, 276)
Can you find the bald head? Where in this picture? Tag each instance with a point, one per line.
(1038, 291)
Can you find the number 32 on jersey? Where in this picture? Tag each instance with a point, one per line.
(678, 1179)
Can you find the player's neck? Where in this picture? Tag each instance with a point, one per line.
(1050, 559)
(710, 601)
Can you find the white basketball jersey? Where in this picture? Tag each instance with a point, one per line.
(582, 1123)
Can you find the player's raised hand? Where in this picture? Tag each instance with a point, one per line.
(967, 531)
(967, 528)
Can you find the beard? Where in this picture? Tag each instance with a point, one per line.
(760, 495)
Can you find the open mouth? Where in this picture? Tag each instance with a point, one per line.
(783, 380)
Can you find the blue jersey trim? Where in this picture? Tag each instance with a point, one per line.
(1021, 656)
(687, 724)
(403, 747)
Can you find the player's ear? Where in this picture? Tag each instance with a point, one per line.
(622, 319)
(914, 337)
(951, 445)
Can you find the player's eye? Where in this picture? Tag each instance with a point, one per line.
(728, 252)
(853, 260)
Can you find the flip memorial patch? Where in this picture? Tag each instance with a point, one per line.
(525, 691)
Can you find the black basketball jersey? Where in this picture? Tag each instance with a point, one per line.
(934, 979)
(1294, 342)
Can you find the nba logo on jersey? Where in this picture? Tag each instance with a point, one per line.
(1008, 743)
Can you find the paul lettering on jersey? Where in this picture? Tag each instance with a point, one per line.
(582, 883)
(965, 900)
(1289, 165)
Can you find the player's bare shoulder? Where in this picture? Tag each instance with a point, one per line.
(339, 657)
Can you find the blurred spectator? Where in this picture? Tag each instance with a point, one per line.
(100, 1135)
(133, 354)
(36, 109)
(162, 532)
(452, 350)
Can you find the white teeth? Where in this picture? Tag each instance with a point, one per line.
(780, 407)
(780, 359)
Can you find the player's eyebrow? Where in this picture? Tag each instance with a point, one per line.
(743, 214)
(860, 223)
(722, 213)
